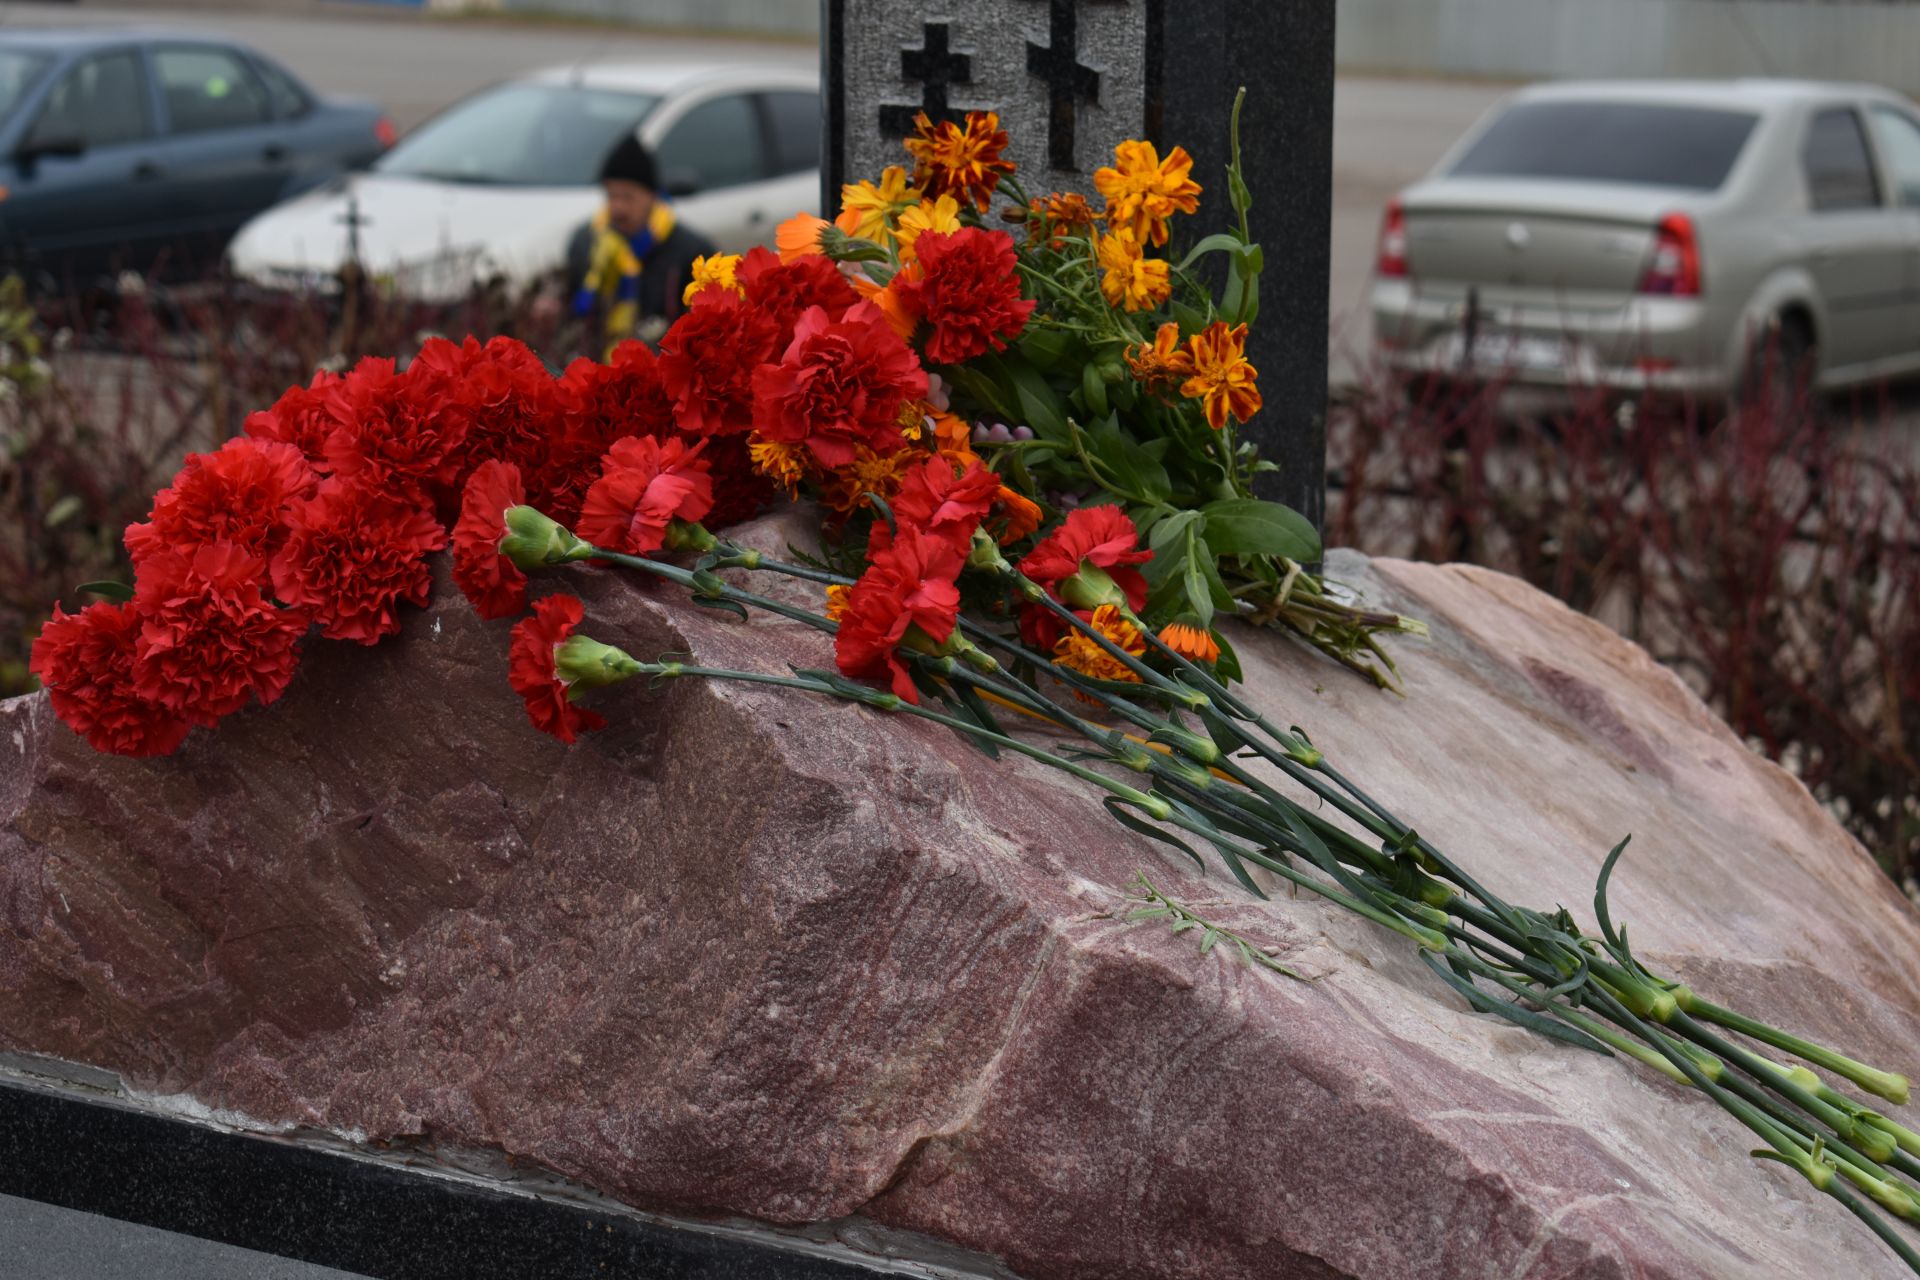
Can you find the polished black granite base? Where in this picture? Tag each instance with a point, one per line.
(361, 1216)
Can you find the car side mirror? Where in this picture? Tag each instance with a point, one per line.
(681, 182)
(39, 147)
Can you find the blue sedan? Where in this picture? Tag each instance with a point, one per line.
(146, 151)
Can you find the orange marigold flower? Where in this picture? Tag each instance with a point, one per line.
(799, 236)
(837, 601)
(954, 439)
(1195, 644)
(1222, 379)
(712, 269)
(962, 161)
(867, 212)
(1129, 278)
(929, 215)
(1053, 218)
(1022, 514)
(783, 463)
(1080, 652)
(1143, 191)
(849, 488)
(1163, 364)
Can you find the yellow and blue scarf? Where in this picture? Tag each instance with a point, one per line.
(613, 271)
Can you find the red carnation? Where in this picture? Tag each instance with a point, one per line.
(299, 418)
(530, 671)
(86, 661)
(514, 402)
(401, 437)
(947, 506)
(707, 361)
(494, 584)
(968, 291)
(600, 403)
(209, 638)
(238, 495)
(645, 486)
(352, 557)
(784, 290)
(740, 491)
(909, 584)
(840, 384)
(1101, 538)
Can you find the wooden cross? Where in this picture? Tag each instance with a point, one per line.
(936, 67)
(1058, 64)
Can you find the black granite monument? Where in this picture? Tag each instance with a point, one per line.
(1072, 77)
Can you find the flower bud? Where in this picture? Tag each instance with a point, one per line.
(1090, 588)
(985, 554)
(581, 662)
(534, 541)
(688, 535)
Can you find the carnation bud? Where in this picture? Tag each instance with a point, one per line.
(689, 535)
(1091, 587)
(986, 554)
(581, 662)
(535, 541)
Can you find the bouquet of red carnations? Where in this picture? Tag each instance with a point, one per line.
(1070, 569)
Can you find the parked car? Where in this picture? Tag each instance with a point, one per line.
(497, 186)
(148, 150)
(1716, 239)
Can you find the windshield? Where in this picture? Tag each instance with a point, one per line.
(523, 135)
(20, 70)
(1649, 144)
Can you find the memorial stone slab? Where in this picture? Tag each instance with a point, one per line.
(1069, 78)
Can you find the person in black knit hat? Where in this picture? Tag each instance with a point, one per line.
(635, 258)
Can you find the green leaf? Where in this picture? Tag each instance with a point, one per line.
(1218, 242)
(1093, 391)
(1207, 940)
(1193, 578)
(1252, 527)
(1170, 527)
(1045, 347)
(1039, 404)
(107, 589)
(1133, 467)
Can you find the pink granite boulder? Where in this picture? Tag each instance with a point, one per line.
(746, 953)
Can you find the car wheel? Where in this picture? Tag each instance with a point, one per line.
(1779, 375)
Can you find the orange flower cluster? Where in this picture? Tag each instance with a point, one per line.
(960, 160)
(1210, 367)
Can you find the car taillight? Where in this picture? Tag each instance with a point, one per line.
(384, 133)
(1674, 268)
(1393, 242)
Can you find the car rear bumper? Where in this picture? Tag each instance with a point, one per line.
(1642, 345)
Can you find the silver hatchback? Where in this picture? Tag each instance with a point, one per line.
(1686, 237)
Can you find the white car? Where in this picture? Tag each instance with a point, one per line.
(497, 186)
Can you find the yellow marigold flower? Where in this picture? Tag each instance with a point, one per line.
(784, 464)
(1081, 653)
(1195, 644)
(709, 269)
(867, 212)
(1143, 191)
(962, 161)
(1129, 278)
(837, 601)
(1164, 363)
(929, 215)
(848, 487)
(799, 236)
(1222, 379)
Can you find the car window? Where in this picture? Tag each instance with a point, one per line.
(1838, 168)
(20, 70)
(1647, 144)
(533, 135)
(715, 145)
(1899, 139)
(795, 121)
(207, 88)
(290, 101)
(100, 102)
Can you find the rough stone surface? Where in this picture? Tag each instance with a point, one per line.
(745, 953)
